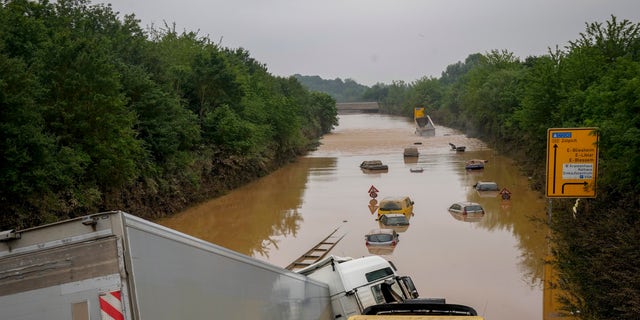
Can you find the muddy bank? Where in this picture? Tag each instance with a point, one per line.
(157, 199)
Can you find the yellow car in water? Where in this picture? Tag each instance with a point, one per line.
(403, 205)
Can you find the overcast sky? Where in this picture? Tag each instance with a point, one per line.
(373, 41)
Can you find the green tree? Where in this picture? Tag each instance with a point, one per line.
(538, 107)
(28, 155)
(88, 111)
(490, 95)
(395, 101)
(225, 129)
(347, 90)
(378, 92)
(323, 110)
(170, 131)
(211, 83)
(82, 141)
(426, 92)
(453, 82)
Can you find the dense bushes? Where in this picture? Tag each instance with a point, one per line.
(97, 114)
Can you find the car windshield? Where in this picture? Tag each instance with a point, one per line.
(381, 237)
(474, 208)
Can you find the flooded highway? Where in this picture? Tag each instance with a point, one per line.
(493, 263)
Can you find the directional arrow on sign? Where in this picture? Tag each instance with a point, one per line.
(574, 183)
(373, 205)
(555, 158)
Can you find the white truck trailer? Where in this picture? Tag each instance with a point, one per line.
(117, 266)
(114, 265)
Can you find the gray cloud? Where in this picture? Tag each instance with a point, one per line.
(380, 40)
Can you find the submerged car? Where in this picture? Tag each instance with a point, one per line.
(466, 208)
(487, 189)
(403, 205)
(381, 237)
(373, 165)
(474, 164)
(395, 221)
(486, 186)
(411, 152)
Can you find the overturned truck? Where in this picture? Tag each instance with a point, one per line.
(424, 125)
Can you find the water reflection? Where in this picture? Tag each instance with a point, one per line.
(523, 215)
(410, 160)
(250, 219)
(467, 217)
(381, 250)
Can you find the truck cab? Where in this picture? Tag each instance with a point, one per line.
(355, 284)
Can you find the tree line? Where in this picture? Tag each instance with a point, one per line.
(347, 90)
(510, 103)
(98, 114)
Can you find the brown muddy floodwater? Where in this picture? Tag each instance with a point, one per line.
(494, 264)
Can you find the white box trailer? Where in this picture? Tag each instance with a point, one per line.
(116, 266)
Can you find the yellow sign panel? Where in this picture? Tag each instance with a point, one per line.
(572, 162)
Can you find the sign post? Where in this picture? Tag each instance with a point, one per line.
(572, 162)
(505, 194)
(373, 203)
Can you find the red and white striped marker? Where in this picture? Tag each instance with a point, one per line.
(111, 306)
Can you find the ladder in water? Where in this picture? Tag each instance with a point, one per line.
(316, 253)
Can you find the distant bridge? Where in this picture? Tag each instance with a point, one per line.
(357, 107)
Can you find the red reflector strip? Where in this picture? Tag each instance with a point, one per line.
(111, 306)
